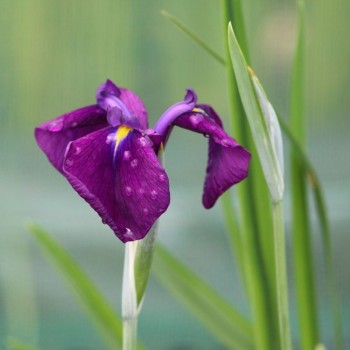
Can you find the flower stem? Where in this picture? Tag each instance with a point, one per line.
(281, 276)
(129, 300)
(130, 334)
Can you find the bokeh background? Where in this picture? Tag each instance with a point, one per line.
(53, 55)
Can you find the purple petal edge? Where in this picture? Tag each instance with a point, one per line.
(54, 136)
(228, 161)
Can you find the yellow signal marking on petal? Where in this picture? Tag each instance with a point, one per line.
(122, 132)
(199, 110)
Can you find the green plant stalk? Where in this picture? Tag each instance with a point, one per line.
(129, 298)
(137, 265)
(255, 212)
(130, 334)
(303, 263)
(281, 275)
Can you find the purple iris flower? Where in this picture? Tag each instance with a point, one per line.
(110, 157)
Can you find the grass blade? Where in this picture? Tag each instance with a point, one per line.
(255, 210)
(254, 109)
(99, 310)
(322, 214)
(214, 312)
(193, 36)
(303, 260)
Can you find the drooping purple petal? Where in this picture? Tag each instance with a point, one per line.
(54, 135)
(227, 165)
(119, 175)
(228, 161)
(109, 95)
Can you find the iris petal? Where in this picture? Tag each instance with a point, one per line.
(120, 176)
(127, 101)
(228, 161)
(54, 135)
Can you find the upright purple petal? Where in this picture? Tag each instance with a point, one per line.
(54, 135)
(165, 122)
(109, 95)
(227, 161)
(118, 173)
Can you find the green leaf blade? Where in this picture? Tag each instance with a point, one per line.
(258, 126)
(193, 36)
(99, 310)
(301, 230)
(215, 313)
(255, 208)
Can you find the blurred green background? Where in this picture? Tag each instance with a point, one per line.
(53, 55)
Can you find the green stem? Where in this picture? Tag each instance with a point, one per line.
(281, 275)
(129, 298)
(130, 334)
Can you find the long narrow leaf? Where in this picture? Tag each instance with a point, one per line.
(316, 188)
(255, 208)
(301, 232)
(256, 107)
(97, 307)
(215, 313)
(194, 37)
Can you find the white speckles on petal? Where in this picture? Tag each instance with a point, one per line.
(196, 119)
(141, 191)
(56, 125)
(128, 191)
(134, 163)
(225, 142)
(154, 195)
(111, 138)
(128, 232)
(143, 141)
(126, 155)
